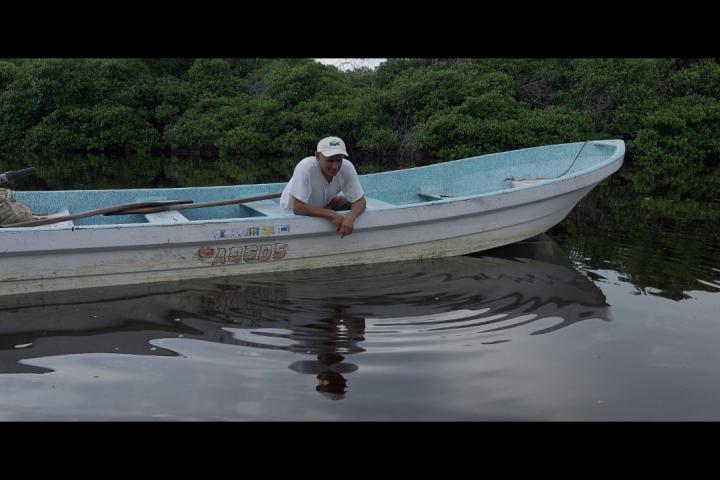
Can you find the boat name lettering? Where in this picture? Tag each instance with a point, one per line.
(244, 254)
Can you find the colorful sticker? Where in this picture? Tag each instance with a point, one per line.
(250, 232)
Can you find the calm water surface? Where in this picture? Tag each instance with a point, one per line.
(611, 316)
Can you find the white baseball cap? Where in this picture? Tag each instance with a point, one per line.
(330, 146)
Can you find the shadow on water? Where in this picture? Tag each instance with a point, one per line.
(327, 317)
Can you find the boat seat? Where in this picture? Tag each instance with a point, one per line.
(374, 203)
(171, 216)
(268, 207)
(524, 182)
(433, 195)
(168, 217)
(60, 213)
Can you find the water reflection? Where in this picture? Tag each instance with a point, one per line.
(343, 333)
(325, 319)
(663, 248)
(99, 171)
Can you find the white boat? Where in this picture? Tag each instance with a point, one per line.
(448, 209)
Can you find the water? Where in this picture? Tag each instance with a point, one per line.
(611, 316)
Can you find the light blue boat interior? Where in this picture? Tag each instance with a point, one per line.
(476, 176)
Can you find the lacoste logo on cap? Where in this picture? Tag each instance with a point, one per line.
(334, 143)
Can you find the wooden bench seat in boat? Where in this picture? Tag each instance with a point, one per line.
(433, 195)
(169, 217)
(525, 182)
(270, 208)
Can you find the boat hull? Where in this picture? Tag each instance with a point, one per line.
(86, 256)
(62, 270)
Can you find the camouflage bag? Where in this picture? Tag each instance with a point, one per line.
(10, 210)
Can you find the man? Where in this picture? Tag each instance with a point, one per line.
(317, 181)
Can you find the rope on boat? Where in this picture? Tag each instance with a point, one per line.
(573, 162)
(513, 179)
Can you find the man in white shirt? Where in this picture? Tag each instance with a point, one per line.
(317, 181)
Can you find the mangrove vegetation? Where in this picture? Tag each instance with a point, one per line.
(419, 110)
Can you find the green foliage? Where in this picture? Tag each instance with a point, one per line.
(99, 128)
(677, 148)
(8, 73)
(214, 78)
(701, 78)
(666, 109)
(198, 128)
(176, 67)
(292, 84)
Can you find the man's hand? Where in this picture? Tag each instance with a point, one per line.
(343, 225)
(346, 225)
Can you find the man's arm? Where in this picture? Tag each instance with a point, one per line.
(348, 222)
(302, 208)
(344, 224)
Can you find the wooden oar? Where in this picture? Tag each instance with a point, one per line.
(219, 203)
(118, 209)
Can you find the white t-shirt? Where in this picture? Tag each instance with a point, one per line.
(309, 185)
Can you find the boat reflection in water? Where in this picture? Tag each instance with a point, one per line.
(327, 317)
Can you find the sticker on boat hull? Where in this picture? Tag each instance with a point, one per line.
(244, 254)
(254, 231)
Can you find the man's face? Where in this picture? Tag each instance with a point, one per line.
(330, 166)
